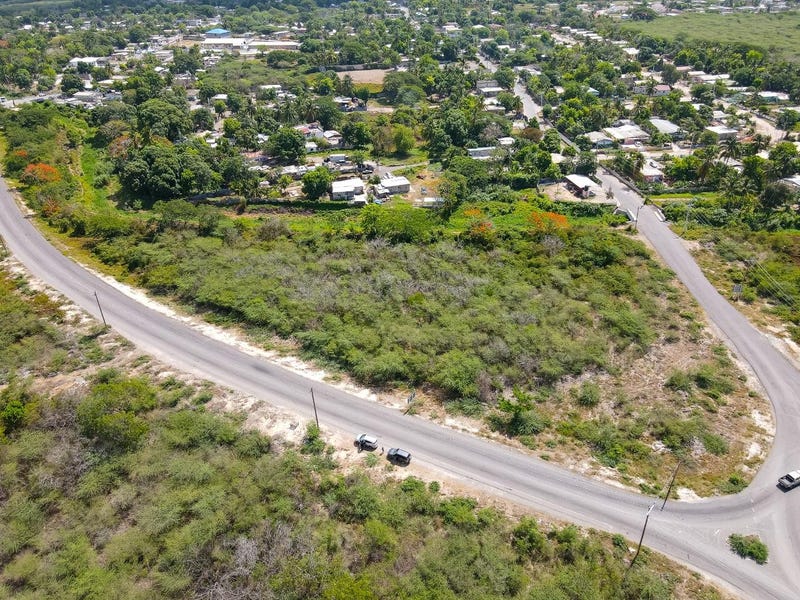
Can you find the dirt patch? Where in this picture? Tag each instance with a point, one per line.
(367, 75)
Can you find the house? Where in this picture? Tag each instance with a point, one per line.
(343, 102)
(488, 88)
(217, 32)
(451, 30)
(269, 45)
(347, 189)
(666, 127)
(722, 132)
(392, 185)
(627, 134)
(661, 89)
(294, 171)
(651, 173)
(581, 186)
(696, 76)
(599, 139)
(336, 159)
(773, 97)
(430, 202)
(712, 79)
(92, 61)
(88, 96)
(482, 153)
(333, 137)
(311, 131)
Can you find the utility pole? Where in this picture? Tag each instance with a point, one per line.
(314, 404)
(641, 539)
(636, 219)
(102, 316)
(671, 482)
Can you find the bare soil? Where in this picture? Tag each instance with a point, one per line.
(367, 75)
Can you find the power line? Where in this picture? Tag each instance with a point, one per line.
(772, 285)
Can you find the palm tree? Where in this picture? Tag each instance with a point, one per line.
(731, 149)
(708, 156)
(760, 142)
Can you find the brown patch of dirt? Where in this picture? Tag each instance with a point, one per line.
(366, 75)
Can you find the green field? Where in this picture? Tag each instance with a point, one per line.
(776, 33)
(40, 6)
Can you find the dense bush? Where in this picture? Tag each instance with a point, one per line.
(749, 547)
(202, 508)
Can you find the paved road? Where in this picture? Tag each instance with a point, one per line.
(693, 533)
(772, 514)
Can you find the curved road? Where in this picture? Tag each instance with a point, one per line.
(694, 534)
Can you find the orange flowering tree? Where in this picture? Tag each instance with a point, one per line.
(36, 173)
(547, 223)
(481, 231)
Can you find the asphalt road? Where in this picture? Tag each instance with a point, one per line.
(693, 533)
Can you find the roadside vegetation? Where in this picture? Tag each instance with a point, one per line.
(118, 483)
(749, 546)
(526, 314)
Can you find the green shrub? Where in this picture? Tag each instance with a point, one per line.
(529, 542)
(733, 484)
(312, 441)
(588, 395)
(459, 512)
(715, 444)
(680, 381)
(749, 547)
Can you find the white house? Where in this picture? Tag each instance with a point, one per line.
(722, 132)
(396, 185)
(347, 189)
(627, 134)
(665, 127)
(482, 153)
(651, 173)
(582, 186)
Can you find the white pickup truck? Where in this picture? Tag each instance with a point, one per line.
(790, 480)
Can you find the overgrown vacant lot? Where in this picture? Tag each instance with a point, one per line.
(558, 332)
(118, 484)
(765, 263)
(776, 33)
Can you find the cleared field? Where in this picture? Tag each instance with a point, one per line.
(776, 33)
(366, 76)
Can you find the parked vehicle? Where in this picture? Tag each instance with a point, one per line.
(790, 480)
(398, 456)
(367, 442)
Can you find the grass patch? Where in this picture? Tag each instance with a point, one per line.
(779, 34)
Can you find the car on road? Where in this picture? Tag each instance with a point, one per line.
(790, 480)
(398, 456)
(367, 442)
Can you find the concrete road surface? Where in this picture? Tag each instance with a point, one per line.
(695, 534)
